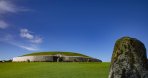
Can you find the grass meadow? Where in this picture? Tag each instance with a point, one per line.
(54, 70)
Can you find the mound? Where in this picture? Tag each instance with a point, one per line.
(55, 57)
(56, 53)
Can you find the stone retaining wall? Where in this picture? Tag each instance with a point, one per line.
(33, 59)
(54, 59)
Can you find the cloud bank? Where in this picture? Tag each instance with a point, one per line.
(9, 7)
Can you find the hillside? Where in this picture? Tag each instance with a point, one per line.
(55, 53)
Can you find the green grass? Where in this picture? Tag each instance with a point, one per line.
(54, 70)
(54, 53)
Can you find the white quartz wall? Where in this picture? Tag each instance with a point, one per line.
(33, 58)
(50, 59)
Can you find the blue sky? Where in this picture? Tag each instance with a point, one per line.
(89, 27)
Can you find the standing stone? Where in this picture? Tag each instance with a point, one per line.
(129, 59)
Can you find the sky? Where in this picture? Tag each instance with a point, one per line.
(89, 27)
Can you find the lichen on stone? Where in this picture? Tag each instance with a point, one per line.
(129, 59)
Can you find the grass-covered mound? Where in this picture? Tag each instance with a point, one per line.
(55, 53)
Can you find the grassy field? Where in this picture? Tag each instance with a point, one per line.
(54, 70)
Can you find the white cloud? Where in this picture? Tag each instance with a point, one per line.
(3, 24)
(7, 6)
(37, 40)
(25, 33)
(10, 40)
(32, 43)
(28, 48)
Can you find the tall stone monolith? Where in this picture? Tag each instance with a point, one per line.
(129, 59)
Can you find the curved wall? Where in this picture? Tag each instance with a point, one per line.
(33, 58)
(54, 59)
